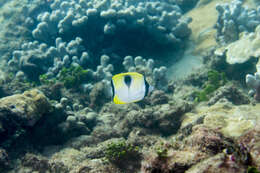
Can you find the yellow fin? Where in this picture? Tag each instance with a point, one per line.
(117, 101)
(128, 73)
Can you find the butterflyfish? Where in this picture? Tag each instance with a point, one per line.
(129, 87)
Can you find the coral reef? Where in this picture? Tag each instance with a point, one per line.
(28, 107)
(233, 19)
(16, 24)
(250, 44)
(231, 120)
(206, 139)
(36, 58)
(162, 22)
(41, 164)
(250, 142)
(231, 93)
(19, 112)
(219, 163)
(158, 97)
(194, 147)
(60, 63)
(253, 82)
(78, 120)
(68, 51)
(100, 90)
(200, 150)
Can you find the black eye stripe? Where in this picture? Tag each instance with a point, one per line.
(128, 80)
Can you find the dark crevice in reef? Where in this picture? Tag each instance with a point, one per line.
(44, 132)
(47, 131)
(235, 71)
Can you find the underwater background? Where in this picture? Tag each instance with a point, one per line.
(57, 58)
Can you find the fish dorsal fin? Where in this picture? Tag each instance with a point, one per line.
(128, 73)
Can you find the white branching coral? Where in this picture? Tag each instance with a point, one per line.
(253, 82)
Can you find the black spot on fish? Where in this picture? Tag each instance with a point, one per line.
(128, 80)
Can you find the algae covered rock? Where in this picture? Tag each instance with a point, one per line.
(20, 111)
(231, 120)
(28, 107)
(159, 97)
(36, 163)
(167, 160)
(181, 156)
(207, 140)
(219, 163)
(69, 157)
(230, 92)
(164, 118)
(250, 141)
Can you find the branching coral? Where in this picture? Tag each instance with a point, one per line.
(233, 19)
(117, 22)
(253, 82)
(36, 58)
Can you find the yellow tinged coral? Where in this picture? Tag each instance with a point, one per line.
(243, 49)
(31, 105)
(236, 127)
(232, 120)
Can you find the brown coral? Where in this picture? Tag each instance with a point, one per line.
(250, 142)
(207, 140)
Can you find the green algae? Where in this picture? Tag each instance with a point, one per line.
(73, 76)
(252, 169)
(215, 80)
(116, 152)
(44, 80)
(162, 152)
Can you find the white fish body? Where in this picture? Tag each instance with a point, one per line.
(129, 87)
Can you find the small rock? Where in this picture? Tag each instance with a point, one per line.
(159, 97)
(20, 111)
